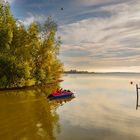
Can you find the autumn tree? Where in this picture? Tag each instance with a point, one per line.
(28, 55)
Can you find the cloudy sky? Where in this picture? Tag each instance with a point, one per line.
(97, 35)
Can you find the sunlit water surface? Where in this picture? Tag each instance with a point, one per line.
(104, 109)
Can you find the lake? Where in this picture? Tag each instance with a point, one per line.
(104, 108)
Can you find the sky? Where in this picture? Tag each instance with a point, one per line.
(97, 35)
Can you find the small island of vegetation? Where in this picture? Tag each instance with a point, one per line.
(28, 55)
(78, 72)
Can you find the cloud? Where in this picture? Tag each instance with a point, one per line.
(10, 1)
(33, 18)
(101, 34)
(112, 41)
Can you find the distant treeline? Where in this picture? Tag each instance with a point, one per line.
(78, 72)
(28, 55)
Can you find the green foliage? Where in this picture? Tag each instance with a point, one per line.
(28, 56)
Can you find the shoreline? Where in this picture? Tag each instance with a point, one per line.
(30, 87)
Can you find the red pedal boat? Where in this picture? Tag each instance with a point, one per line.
(61, 94)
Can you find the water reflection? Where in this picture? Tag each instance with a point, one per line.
(27, 115)
(104, 108)
(62, 101)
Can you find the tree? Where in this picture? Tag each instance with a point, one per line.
(28, 56)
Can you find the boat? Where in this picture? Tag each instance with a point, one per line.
(61, 94)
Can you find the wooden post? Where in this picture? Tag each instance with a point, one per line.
(137, 102)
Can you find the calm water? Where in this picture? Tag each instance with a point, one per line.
(104, 109)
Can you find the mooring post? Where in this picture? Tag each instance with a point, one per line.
(137, 91)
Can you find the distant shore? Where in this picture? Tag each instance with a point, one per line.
(86, 72)
(78, 72)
